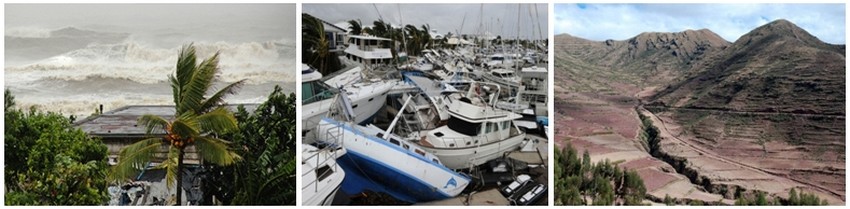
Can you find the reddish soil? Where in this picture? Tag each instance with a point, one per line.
(732, 156)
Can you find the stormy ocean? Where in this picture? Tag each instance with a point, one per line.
(74, 65)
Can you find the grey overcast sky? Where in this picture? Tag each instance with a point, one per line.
(213, 21)
(730, 21)
(498, 19)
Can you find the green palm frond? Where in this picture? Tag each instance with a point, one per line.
(134, 157)
(279, 178)
(175, 88)
(219, 120)
(170, 165)
(216, 151)
(354, 27)
(152, 123)
(185, 127)
(217, 99)
(186, 64)
(193, 92)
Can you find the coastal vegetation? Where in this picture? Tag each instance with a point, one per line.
(578, 181)
(197, 122)
(266, 143)
(315, 49)
(47, 162)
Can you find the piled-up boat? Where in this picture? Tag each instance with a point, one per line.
(321, 176)
(476, 132)
(366, 97)
(379, 159)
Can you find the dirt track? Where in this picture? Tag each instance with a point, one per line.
(723, 170)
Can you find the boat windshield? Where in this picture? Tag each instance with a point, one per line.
(463, 127)
(315, 91)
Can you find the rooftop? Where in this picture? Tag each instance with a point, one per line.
(121, 122)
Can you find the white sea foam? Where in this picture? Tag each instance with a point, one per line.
(256, 62)
(28, 32)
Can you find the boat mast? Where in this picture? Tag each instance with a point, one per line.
(397, 116)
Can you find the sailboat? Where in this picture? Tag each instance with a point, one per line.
(380, 161)
(321, 176)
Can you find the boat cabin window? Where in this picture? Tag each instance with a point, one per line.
(463, 127)
(315, 91)
(506, 124)
(491, 127)
(406, 146)
(323, 172)
(420, 152)
(394, 141)
(435, 161)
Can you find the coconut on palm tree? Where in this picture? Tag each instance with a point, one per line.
(197, 121)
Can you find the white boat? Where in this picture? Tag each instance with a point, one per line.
(368, 51)
(367, 99)
(321, 176)
(499, 61)
(403, 169)
(534, 86)
(475, 133)
(506, 78)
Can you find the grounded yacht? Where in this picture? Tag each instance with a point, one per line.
(383, 162)
(321, 176)
(475, 133)
(367, 98)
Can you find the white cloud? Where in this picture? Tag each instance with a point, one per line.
(730, 21)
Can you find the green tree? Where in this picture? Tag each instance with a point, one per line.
(9, 99)
(316, 46)
(635, 191)
(197, 120)
(266, 175)
(761, 198)
(576, 178)
(354, 27)
(668, 200)
(793, 199)
(47, 162)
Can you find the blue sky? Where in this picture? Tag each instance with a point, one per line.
(730, 21)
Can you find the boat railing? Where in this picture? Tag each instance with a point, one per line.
(330, 160)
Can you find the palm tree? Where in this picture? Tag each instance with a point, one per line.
(426, 37)
(316, 43)
(354, 27)
(196, 121)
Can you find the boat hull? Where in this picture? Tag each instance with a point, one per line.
(318, 190)
(366, 103)
(372, 163)
(464, 158)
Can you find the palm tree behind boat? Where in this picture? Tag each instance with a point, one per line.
(354, 27)
(196, 121)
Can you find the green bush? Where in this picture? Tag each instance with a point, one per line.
(47, 162)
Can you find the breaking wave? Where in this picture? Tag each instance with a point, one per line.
(253, 61)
